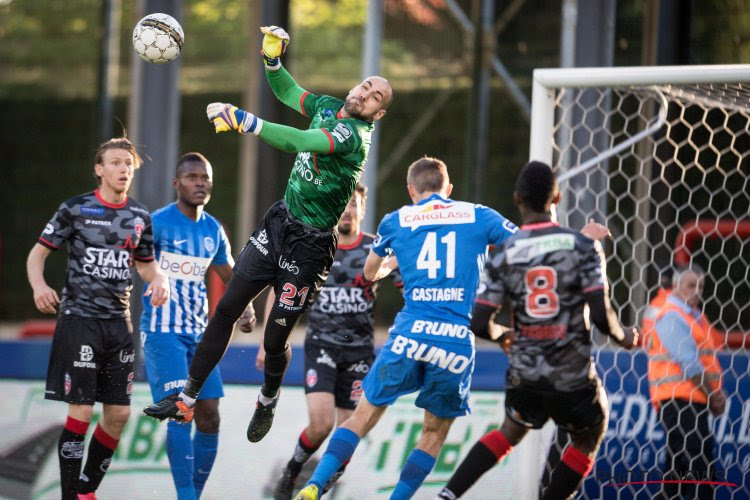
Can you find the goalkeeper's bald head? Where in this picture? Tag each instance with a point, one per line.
(369, 100)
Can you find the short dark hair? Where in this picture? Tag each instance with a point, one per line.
(188, 157)
(116, 143)
(427, 174)
(361, 189)
(536, 186)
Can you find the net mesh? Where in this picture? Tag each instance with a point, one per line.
(666, 168)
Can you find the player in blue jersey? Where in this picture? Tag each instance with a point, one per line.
(187, 241)
(440, 248)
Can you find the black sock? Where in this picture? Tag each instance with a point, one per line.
(101, 449)
(70, 452)
(276, 365)
(485, 453)
(568, 473)
(302, 453)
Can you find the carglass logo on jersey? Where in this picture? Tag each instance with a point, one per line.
(183, 267)
(436, 212)
(107, 263)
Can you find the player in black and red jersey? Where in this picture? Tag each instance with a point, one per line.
(92, 350)
(548, 274)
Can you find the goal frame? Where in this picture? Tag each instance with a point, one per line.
(546, 81)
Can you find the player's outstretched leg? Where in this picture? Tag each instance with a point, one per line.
(172, 407)
(278, 353)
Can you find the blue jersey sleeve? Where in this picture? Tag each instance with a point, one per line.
(499, 228)
(224, 249)
(386, 230)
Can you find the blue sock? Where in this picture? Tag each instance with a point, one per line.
(180, 454)
(205, 446)
(340, 449)
(418, 465)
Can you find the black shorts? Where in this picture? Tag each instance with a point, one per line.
(91, 360)
(336, 370)
(290, 255)
(574, 412)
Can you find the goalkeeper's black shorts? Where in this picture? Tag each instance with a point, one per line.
(293, 257)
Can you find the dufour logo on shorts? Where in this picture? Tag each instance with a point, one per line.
(86, 354)
(261, 240)
(437, 212)
(68, 383)
(419, 351)
(184, 267)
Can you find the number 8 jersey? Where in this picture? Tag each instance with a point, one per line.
(544, 271)
(441, 247)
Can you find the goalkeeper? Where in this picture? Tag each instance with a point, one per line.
(293, 247)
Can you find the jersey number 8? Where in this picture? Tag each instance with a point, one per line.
(542, 300)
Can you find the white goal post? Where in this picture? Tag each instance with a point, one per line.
(662, 156)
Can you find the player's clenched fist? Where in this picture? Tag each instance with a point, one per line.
(275, 42)
(227, 117)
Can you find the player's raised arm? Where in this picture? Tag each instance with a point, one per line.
(275, 42)
(227, 117)
(596, 294)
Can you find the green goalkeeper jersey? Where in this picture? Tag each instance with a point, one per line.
(321, 185)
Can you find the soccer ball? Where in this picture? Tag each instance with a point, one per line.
(158, 38)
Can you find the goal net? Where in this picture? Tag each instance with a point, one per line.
(660, 155)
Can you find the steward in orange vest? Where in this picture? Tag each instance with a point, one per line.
(667, 379)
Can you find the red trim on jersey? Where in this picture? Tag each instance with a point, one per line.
(104, 438)
(539, 225)
(330, 139)
(339, 115)
(77, 426)
(485, 302)
(593, 288)
(315, 163)
(144, 259)
(353, 245)
(108, 204)
(302, 103)
(47, 244)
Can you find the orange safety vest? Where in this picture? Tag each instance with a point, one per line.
(665, 377)
(649, 316)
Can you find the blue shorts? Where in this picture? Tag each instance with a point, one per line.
(167, 358)
(440, 371)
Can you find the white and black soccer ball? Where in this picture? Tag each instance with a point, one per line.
(158, 38)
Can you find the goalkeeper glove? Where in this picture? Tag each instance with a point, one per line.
(228, 117)
(275, 42)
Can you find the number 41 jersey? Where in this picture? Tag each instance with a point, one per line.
(441, 247)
